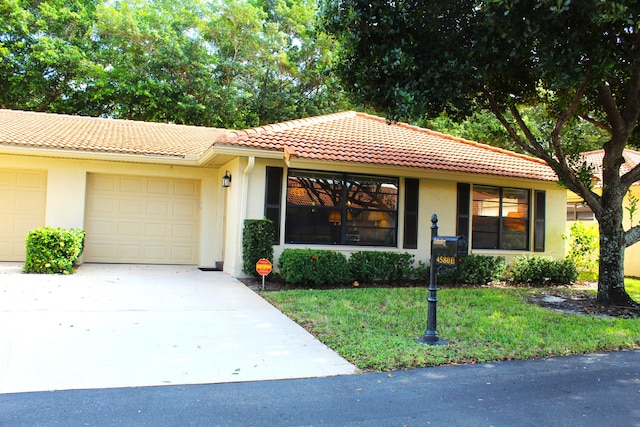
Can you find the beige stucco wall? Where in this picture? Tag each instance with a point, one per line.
(438, 192)
(66, 189)
(223, 210)
(632, 253)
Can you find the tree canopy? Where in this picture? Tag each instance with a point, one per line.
(576, 62)
(230, 64)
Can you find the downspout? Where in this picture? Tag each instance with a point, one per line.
(245, 186)
(244, 205)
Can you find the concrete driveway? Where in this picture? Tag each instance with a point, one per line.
(142, 325)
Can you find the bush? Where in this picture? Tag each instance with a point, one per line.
(370, 266)
(538, 271)
(310, 267)
(584, 245)
(257, 243)
(53, 250)
(476, 270)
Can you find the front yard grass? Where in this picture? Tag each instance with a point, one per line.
(375, 328)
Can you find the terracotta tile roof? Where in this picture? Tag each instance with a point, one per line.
(594, 158)
(57, 131)
(344, 137)
(362, 138)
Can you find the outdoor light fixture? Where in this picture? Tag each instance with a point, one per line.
(226, 179)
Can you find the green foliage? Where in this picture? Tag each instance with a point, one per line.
(633, 206)
(538, 271)
(477, 270)
(232, 64)
(375, 328)
(368, 267)
(53, 250)
(310, 267)
(571, 60)
(584, 244)
(45, 49)
(257, 243)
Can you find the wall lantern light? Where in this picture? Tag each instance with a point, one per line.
(226, 179)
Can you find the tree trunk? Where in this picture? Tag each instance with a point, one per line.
(612, 245)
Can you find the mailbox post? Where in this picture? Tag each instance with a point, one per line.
(445, 250)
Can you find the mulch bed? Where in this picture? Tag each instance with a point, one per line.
(583, 303)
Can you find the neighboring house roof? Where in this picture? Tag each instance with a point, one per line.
(58, 131)
(362, 138)
(594, 159)
(343, 137)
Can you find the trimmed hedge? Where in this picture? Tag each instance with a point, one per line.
(310, 267)
(539, 271)
(476, 270)
(53, 250)
(257, 243)
(371, 266)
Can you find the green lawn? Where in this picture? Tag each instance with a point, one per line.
(633, 288)
(375, 328)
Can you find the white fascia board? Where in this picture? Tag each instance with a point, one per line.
(189, 160)
(218, 150)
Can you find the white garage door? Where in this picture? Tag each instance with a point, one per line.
(141, 220)
(22, 208)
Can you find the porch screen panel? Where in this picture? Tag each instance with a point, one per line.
(273, 199)
(540, 208)
(462, 225)
(411, 193)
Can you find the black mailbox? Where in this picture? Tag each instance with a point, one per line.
(449, 249)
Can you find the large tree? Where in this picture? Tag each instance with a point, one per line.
(578, 61)
(46, 51)
(232, 63)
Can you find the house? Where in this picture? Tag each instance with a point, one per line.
(578, 211)
(153, 193)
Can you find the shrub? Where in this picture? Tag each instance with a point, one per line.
(478, 270)
(584, 244)
(257, 243)
(53, 250)
(310, 267)
(537, 271)
(370, 266)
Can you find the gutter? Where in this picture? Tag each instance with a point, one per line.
(188, 160)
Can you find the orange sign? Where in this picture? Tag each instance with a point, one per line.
(263, 267)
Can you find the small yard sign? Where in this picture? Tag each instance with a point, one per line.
(263, 267)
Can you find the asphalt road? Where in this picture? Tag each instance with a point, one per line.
(591, 390)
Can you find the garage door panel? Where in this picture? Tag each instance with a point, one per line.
(30, 179)
(184, 188)
(22, 209)
(152, 224)
(131, 185)
(104, 183)
(157, 208)
(157, 230)
(182, 252)
(184, 209)
(183, 231)
(129, 229)
(130, 207)
(159, 187)
(28, 202)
